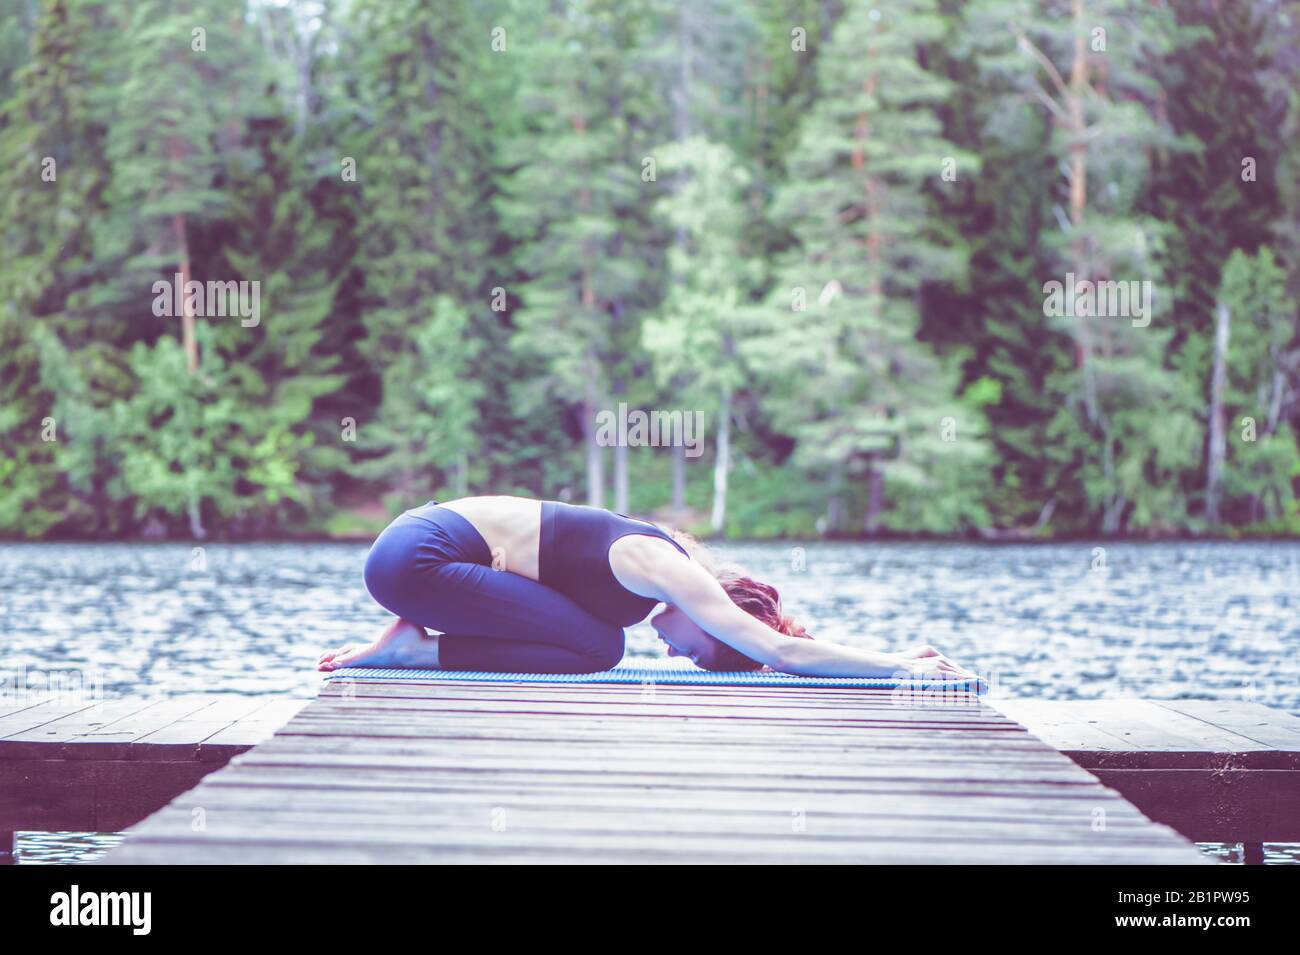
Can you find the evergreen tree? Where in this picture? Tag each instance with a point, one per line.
(421, 164)
(165, 149)
(579, 206)
(53, 462)
(1263, 367)
(1087, 64)
(850, 381)
(1218, 191)
(694, 339)
(282, 368)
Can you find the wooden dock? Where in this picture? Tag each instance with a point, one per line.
(87, 766)
(1217, 771)
(403, 772)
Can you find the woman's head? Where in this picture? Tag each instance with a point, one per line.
(761, 601)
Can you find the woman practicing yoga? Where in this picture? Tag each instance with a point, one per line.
(519, 585)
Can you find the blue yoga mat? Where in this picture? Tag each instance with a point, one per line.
(659, 671)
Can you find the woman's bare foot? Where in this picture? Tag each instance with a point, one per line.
(402, 645)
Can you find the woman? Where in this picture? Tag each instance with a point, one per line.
(519, 585)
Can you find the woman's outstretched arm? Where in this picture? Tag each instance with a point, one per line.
(689, 587)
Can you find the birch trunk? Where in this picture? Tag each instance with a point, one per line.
(722, 464)
(1216, 447)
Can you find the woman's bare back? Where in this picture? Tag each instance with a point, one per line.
(510, 525)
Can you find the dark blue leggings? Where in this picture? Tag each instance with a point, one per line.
(431, 567)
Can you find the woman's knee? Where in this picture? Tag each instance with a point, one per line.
(388, 566)
(607, 647)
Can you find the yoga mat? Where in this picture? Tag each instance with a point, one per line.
(659, 671)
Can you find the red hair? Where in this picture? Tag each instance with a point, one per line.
(762, 602)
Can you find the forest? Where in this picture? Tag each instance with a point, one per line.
(999, 269)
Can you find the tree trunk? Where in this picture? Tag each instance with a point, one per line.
(679, 478)
(722, 464)
(875, 498)
(620, 478)
(682, 132)
(1078, 180)
(835, 501)
(462, 474)
(188, 339)
(595, 455)
(591, 403)
(196, 518)
(1216, 448)
(1275, 398)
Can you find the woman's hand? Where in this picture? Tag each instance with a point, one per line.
(933, 666)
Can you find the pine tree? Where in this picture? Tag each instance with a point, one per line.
(1263, 365)
(165, 149)
(1218, 190)
(580, 209)
(851, 382)
(421, 165)
(695, 336)
(700, 54)
(1003, 210)
(283, 369)
(1086, 63)
(53, 464)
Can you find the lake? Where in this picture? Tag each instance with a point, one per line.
(1083, 620)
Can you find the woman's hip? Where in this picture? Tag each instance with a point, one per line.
(416, 544)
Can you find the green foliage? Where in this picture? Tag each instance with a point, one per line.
(1263, 460)
(830, 223)
(692, 339)
(847, 377)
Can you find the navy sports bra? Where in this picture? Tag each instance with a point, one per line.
(573, 558)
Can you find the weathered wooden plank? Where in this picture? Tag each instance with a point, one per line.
(230, 708)
(325, 777)
(1061, 727)
(146, 851)
(1269, 728)
(46, 711)
(756, 771)
(632, 730)
(362, 796)
(1094, 735)
(117, 739)
(541, 772)
(412, 845)
(82, 720)
(920, 718)
(19, 702)
(1140, 724)
(682, 747)
(521, 822)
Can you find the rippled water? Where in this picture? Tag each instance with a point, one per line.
(1061, 621)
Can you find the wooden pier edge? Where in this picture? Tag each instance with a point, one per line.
(411, 772)
(1214, 770)
(70, 764)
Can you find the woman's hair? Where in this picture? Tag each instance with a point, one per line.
(759, 600)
